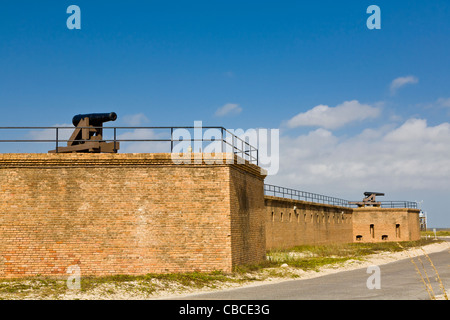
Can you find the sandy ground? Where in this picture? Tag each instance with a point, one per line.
(164, 290)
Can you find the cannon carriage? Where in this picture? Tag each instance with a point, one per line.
(88, 135)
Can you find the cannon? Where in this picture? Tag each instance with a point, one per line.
(95, 119)
(369, 200)
(88, 134)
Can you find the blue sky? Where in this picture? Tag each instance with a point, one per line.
(173, 62)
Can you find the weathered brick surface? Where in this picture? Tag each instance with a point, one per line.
(387, 224)
(310, 223)
(247, 218)
(125, 214)
(314, 223)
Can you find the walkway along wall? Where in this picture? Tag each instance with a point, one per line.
(127, 214)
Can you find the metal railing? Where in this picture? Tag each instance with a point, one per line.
(399, 204)
(282, 192)
(200, 139)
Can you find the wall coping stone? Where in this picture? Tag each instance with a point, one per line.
(61, 160)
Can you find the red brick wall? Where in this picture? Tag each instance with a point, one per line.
(314, 223)
(385, 221)
(125, 214)
(310, 223)
(247, 219)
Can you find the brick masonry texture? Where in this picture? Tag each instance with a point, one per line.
(126, 214)
(315, 223)
(309, 223)
(142, 213)
(372, 224)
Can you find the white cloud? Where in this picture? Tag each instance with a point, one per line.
(444, 102)
(228, 109)
(144, 146)
(50, 134)
(332, 118)
(401, 82)
(135, 120)
(412, 156)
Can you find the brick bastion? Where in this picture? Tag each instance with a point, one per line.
(128, 214)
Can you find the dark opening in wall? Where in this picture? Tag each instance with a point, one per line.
(384, 237)
(397, 230)
(359, 237)
(372, 231)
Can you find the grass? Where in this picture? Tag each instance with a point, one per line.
(427, 282)
(439, 233)
(310, 257)
(108, 286)
(191, 279)
(304, 258)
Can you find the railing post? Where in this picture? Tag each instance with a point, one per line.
(171, 140)
(233, 141)
(221, 144)
(115, 138)
(57, 138)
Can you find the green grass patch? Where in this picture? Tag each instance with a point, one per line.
(47, 287)
(313, 257)
(439, 233)
(315, 263)
(358, 249)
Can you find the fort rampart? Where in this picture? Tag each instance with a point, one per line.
(127, 214)
(291, 223)
(142, 213)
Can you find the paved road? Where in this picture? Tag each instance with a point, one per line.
(399, 281)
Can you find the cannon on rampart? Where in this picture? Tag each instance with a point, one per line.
(88, 134)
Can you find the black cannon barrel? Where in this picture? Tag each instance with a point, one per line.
(95, 119)
(368, 193)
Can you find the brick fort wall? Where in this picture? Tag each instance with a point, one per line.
(142, 213)
(372, 224)
(309, 223)
(127, 214)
